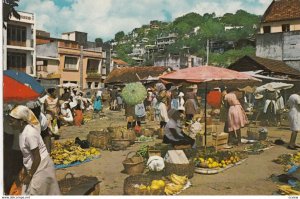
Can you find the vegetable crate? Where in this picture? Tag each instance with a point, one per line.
(200, 140)
(220, 140)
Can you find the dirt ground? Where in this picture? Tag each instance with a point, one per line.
(249, 178)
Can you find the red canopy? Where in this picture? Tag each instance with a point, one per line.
(208, 74)
(16, 91)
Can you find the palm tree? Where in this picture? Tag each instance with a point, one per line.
(9, 10)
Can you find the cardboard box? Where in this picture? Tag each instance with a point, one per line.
(176, 157)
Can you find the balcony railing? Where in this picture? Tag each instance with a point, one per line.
(93, 74)
(22, 69)
(16, 43)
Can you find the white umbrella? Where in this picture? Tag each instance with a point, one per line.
(68, 85)
(275, 86)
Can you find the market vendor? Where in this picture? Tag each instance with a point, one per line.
(40, 176)
(173, 131)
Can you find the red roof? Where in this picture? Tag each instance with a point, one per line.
(281, 10)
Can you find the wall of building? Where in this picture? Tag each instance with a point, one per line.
(47, 50)
(280, 46)
(269, 45)
(277, 26)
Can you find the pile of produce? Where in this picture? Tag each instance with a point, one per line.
(220, 159)
(143, 138)
(143, 151)
(287, 190)
(171, 185)
(258, 146)
(176, 184)
(288, 159)
(68, 152)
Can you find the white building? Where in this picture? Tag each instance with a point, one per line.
(19, 43)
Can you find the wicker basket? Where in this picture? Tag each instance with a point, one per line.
(139, 179)
(148, 132)
(134, 165)
(99, 139)
(180, 169)
(120, 144)
(254, 134)
(70, 182)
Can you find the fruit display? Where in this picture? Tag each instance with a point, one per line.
(68, 152)
(155, 186)
(171, 185)
(176, 185)
(219, 159)
(288, 159)
(287, 190)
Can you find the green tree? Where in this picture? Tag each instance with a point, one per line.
(119, 35)
(9, 10)
(99, 40)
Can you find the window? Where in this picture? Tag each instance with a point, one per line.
(16, 61)
(285, 27)
(92, 66)
(96, 84)
(42, 66)
(16, 35)
(267, 29)
(71, 63)
(89, 84)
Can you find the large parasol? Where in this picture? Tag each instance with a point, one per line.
(134, 93)
(275, 86)
(210, 76)
(19, 87)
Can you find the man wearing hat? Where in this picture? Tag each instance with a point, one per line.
(270, 108)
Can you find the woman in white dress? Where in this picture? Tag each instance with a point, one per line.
(40, 176)
(294, 118)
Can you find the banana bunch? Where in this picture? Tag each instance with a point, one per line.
(287, 190)
(171, 188)
(178, 180)
(68, 152)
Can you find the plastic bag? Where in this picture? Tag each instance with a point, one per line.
(156, 163)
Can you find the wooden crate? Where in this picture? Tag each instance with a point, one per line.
(200, 140)
(220, 140)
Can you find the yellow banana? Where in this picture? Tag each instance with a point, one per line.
(178, 180)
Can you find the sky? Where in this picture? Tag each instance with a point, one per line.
(104, 18)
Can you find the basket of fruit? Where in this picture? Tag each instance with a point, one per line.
(143, 185)
(134, 165)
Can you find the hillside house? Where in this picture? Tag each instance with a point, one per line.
(279, 33)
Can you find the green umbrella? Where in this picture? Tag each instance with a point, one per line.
(134, 93)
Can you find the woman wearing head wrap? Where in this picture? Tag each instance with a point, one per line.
(97, 104)
(35, 107)
(78, 115)
(173, 131)
(40, 173)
